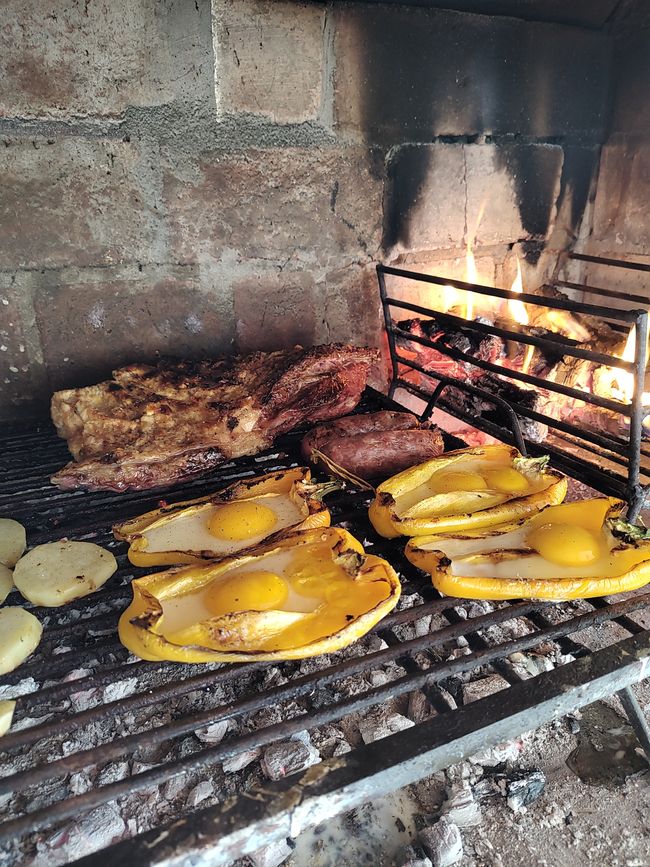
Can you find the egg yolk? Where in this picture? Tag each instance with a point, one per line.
(565, 544)
(447, 483)
(249, 591)
(240, 520)
(508, 480)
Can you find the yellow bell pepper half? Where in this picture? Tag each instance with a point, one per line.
(313, 592)
(179, 533)
(569, 551)
(466, 489)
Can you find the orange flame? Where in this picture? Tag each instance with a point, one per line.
(519, 313)
(619, 383)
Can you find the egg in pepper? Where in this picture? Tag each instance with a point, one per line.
(568, 551)
(312, 592)
(237, 518)
(469, 488)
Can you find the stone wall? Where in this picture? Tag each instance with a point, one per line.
(181, 179)
(618, 226)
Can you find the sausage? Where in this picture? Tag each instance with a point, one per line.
(380, 454)
(353, 425)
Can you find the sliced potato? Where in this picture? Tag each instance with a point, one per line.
(20, 633)
(6, 582)
(7, 709)
(12, 541)
(59, 572)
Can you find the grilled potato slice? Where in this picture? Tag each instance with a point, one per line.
(12, 541)
(58, 572)
(20, 633)
(6, 582)
(7, 709)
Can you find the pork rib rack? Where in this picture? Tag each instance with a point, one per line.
(152, 426)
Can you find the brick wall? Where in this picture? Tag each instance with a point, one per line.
(183, 179)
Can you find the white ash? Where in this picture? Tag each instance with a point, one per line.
(461, 807)
(120, 689)
(240, 761)
(200, 793)
(112, 772)
(92, 832)
(442, 843)
(23, 687)
(478, 689)
(342, 747)
(380, 723)
(213, 733)
(272, 855)
(498, 755)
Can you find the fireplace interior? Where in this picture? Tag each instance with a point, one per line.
(196, 179)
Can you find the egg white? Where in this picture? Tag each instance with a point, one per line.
(527, 564)
(188, 530)
(423, 496)
(184, 611)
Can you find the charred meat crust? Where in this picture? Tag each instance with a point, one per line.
(156, 425)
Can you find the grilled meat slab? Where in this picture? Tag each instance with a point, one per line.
(155, 425)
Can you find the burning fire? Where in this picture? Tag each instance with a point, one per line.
(620, 383)
(519, 313)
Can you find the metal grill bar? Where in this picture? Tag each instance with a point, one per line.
(310, 698)
(634, 411)
(616, 263)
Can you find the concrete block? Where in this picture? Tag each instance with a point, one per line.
(407, 73)
(75, 201)
(91, 326)
(268, 58)
(274, 311)
(621, 206)
(448, 195)
(425, 197)
(74, 59)
(512, 191)
(20, 376)
(305, 206)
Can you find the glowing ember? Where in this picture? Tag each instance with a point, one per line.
(520, 314)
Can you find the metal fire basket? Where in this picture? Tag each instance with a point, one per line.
(616, 465)
(59, 760)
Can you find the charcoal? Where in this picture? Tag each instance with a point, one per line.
(380, 723)
(442, 843)
(199, 793)
(477, 689)
(419, 707)
(240, 761)
(461, 808)
(524, 789)
(288, 757)
(411, 856)
(213, 733)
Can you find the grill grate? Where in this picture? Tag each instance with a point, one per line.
(87, 704)
(616, 464)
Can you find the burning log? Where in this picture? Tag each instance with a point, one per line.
(482, 347)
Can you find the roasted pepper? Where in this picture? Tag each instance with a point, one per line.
(465, 489)
(310, 593)
(570, 551)
(233, 520)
